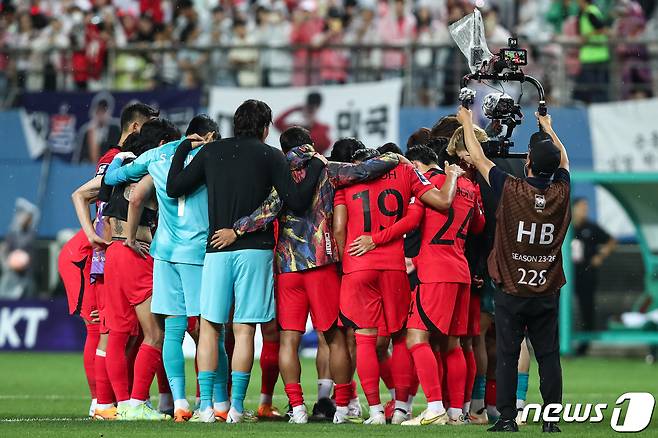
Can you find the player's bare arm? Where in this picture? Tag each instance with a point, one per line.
(83, 196)
(480, 161)
(141, 193)
(340, 227)
(546, 124)
(441, 199)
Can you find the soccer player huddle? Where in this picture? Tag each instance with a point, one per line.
(194, 233)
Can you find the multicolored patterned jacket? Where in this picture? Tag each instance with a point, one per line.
(307, 242)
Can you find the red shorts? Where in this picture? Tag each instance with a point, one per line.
(193, 324)
(97, 288)
(442, 307)
(315, 290)
(128, 282)
(474, 315)
(74, 264)
(375, 299)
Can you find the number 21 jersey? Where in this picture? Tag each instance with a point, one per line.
(375, 206)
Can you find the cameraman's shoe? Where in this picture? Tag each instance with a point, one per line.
(550, 428)
(504, 426)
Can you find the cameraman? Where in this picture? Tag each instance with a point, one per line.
(526, 262)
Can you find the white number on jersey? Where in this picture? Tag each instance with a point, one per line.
(535, 278)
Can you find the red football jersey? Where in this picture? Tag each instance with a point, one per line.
(104, 163)
(443, 234)
(376, 205)
(105, 160)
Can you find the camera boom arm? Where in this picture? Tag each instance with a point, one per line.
(510, 76)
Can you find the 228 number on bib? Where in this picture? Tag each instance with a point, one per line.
(531, 277)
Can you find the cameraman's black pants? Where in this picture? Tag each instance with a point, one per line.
(539, 315)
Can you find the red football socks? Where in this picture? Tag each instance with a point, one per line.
(386, 373)
(295, 394)
(149, 359)
(413, 388)
(89, 356)
(117, 364)
(343, 393)
(490, 393)
(367, 367)
(427, 371)
(471, 370)
(401, 367)
(104, 394)
(269, 365)
(456, 372)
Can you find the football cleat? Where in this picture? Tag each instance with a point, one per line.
(221, 415)
(300, 417)
(106, 414)
(519, 417)
(428, 418)
(377, 418)
(182, 415)
(459, 421)
(354, 408)
(269, 412)
(480, 417)
(234, 416)
(205, 416)
(92, 408)
(323, 410)
(142, 412)
(340, 418)
(399, 416)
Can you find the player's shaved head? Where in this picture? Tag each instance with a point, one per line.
(203, 125)
(139, 113)
(293, 137)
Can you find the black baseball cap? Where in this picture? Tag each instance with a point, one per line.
(544, 155)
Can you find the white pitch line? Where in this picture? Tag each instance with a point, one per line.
(30, 420)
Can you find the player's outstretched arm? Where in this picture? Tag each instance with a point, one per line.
(481, 162)
(182, 180)
(546, 124)
(141, 192)
(82, 197)
(116, 173)
(345, 174)
(441, 199)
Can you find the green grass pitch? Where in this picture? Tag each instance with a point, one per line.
(45, 395)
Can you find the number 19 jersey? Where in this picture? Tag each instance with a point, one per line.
(443, 234)
(377, 205)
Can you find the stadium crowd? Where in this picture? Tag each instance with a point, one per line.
(83, 31)
(193, 233)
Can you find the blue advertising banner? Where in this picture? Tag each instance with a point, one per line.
(36, 325)
(80, 126)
